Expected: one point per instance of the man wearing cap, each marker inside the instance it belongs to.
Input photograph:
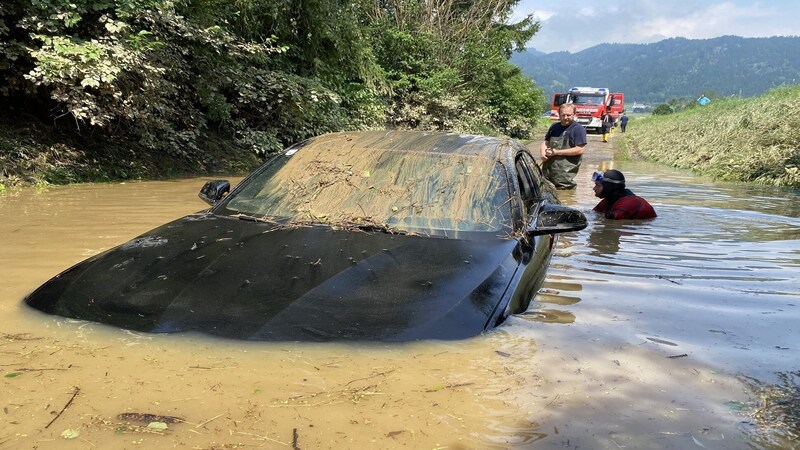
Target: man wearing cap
(618, 202)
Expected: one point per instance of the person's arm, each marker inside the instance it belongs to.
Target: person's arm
(544, 150)
(578, 135)
(572, 151)
(600, 207)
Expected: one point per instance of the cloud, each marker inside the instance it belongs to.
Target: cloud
(584, 24)
(714, 20)
(540, 15)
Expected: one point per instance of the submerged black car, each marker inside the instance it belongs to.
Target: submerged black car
(379, 235)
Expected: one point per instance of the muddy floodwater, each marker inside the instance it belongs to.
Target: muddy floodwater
(660, 334)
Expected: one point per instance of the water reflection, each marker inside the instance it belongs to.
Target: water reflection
(549, 316)
(605, 235)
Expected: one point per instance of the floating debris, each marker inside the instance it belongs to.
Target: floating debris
(148, 418)
(70, 433)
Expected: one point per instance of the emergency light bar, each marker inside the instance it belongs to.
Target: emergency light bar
(588, 90)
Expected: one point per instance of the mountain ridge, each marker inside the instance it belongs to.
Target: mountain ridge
(671, 68)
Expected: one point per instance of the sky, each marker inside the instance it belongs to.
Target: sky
(579, 24)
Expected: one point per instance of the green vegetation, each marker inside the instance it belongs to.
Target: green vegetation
(662, 110)
(122, 89)
(32, 153)
(680, 104)
(118, 89)
(752, 140)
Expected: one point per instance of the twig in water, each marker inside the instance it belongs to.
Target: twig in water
(665, 278)
(449, 386)
(375, 374)
(294, 439)
(265, 438)
(147, 417)
(19, 337)
(209, 420)
(74, 394)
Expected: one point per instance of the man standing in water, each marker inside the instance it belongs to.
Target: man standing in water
(618, 202)
(562, 148)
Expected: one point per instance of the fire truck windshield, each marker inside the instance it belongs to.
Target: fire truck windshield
(587, 99)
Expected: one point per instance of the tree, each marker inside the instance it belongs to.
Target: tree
(662, 110)
(447, 65)
(265, 73)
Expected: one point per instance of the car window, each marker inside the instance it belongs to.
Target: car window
(529, 188)
(416, 191)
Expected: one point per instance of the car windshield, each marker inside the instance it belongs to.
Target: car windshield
(398, 190)
(587, 100)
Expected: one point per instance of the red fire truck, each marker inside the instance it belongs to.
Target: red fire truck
(590, 103)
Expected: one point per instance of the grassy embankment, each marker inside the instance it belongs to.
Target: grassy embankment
(750, 140)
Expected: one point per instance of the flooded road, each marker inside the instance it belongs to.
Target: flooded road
(646, 335)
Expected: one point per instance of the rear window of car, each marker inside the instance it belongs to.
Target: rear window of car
(414, 191)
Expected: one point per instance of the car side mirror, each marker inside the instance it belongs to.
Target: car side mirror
(213, 191)
(557, 219)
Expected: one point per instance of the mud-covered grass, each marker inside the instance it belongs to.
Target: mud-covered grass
(774, 411)
(750, 140)
(36, 153)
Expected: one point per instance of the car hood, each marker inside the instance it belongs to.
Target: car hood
(253, 280)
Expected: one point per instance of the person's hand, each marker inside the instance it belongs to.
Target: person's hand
(549, 153)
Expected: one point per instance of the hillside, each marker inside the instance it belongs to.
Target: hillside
(735, 139)
(673, 68)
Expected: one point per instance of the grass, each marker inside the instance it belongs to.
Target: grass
(749, 140)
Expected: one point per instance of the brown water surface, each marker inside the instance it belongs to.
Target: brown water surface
(639, 339)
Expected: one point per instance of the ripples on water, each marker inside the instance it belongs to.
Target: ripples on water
(747, 251)
(717, 274)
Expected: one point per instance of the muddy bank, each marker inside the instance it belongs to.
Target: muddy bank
(34, 153)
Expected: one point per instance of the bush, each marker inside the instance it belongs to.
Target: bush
(163, 75)
(662, 110)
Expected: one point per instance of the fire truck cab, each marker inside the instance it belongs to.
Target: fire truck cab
(590, 105)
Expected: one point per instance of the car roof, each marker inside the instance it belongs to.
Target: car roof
(500, 149)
